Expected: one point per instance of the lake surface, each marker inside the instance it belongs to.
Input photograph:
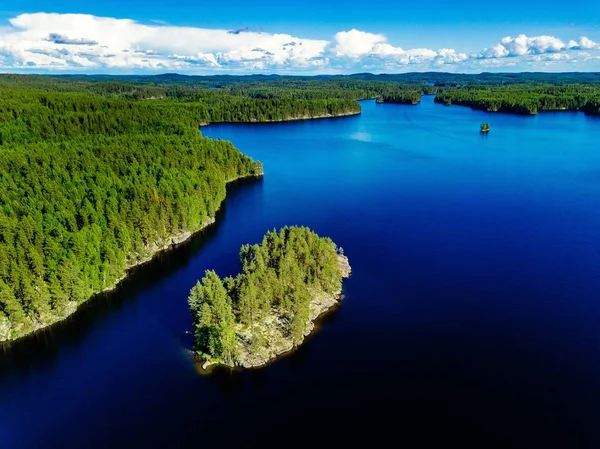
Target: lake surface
(472, 315)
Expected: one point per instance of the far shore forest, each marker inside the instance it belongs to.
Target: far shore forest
(99, 172)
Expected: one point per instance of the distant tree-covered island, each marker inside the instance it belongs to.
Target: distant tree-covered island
(286, 282)
(404, 96)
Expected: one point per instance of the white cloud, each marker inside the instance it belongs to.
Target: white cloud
(355, 44)
(66, 42)
(583, 44)
(450, 56)
(523, 45)
(123, 43)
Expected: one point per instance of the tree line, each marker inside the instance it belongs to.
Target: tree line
(524, 99)
(400, 97)
(29, 115)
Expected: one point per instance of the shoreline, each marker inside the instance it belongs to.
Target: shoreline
(156, 248)
(332, 302)
(304, 117)
(289, 119)
(321, 304)
(522, 114)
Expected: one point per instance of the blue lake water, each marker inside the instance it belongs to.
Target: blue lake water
(472, 315)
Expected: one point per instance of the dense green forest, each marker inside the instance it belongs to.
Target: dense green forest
(279, 279)
(524, 99)
(403, 96)
(90, 185)
(230, 99)
(200, 106)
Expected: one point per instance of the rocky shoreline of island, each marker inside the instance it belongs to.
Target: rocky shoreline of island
(262, 341)
(289, 119)
(309, 117)
(282, 345)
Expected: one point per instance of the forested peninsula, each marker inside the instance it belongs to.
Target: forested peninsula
(286, 282)
(92, 186)
(524, 99)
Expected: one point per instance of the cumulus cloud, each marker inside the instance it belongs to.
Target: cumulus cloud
(124, 43)
(70, 41)
(355, 44)
(583, 44)
(522, 45)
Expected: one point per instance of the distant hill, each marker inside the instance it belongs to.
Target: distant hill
(436, 78)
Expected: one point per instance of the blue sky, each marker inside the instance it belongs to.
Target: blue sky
(328, 36)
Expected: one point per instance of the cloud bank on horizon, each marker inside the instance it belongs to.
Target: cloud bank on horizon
(71, 42)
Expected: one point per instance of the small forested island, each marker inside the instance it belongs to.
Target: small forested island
(484, 128)
(286, 282)
(410, 97)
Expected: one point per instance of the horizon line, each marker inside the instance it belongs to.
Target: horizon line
(328, 75)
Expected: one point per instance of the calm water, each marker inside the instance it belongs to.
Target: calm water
(472, 315)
